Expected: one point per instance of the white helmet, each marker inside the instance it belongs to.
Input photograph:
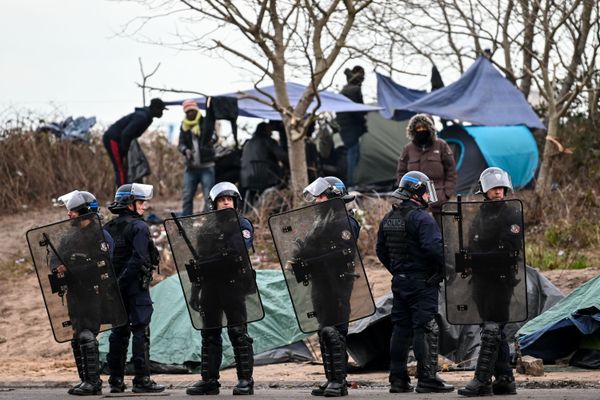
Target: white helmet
(494, 177)
(224, 189)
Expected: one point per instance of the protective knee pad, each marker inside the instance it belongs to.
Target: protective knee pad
(86, 336)
(238, 335)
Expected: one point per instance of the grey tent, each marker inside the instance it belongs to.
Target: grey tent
(369, 339)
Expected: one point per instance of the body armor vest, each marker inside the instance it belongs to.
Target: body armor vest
(402, 248)
(118, 229)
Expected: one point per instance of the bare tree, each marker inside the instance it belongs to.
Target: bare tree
(277, 39)
(548, 45)
(145, 78)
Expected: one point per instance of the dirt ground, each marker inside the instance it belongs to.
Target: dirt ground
(29, 355)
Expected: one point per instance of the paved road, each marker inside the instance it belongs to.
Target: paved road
(356, 394)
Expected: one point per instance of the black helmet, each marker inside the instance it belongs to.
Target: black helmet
(330, 186)
(80, 201)
(128, 194)
(416, 183)
(224, 189)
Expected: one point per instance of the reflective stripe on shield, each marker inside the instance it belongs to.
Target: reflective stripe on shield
(214, 269)
(77, 280)
(484, 252)
(321, 264)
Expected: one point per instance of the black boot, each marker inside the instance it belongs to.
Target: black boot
(244, 360)
(325, 354)
(143, 384)
(211, 362)
(116, 359)
(91, 385)
(336, 346)
(504, 384)
(429, 380)
(401, 385)
(481, 384)
(78, 363)
(116, 383)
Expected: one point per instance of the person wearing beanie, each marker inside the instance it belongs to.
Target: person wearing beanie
(431, 155)
(352, 124)
(118, 137)
(196, 146)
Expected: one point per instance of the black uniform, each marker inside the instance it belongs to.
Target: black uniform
(496, 228)
(88, 297)
(134, 255)
(409, 245)
(217, 296)
(327, 260)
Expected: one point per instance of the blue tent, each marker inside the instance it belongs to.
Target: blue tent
(248, 107)
(512, 148)
(482, 96)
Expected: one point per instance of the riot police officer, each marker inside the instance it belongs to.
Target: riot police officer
(134, 259)
(85, 322)
(409, 245)
(216, 297)
(332, 339)
(495, 226)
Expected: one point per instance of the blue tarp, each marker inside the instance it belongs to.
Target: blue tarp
(512, 148)
(481, 96)
(330, 102)
(393, 97)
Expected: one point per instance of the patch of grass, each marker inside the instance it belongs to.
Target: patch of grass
(10, 269)
(548, 258)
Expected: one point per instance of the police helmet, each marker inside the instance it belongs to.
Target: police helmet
(129, 193)
(494, 177)
(224, 189)
(330, 186)
(416, 183)
(80, 201)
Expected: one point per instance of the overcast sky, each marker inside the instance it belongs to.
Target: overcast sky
(68, 54)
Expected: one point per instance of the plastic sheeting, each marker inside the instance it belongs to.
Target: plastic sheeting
(557, 332)
(368, 339)
(175, 341)
(481, 96)
(249, 107)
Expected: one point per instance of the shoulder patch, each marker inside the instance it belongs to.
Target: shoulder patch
(103, 246)
(515, 229)
(346, 234)
(246, 233)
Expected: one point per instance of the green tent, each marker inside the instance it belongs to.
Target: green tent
(380, 149)
(174, 340)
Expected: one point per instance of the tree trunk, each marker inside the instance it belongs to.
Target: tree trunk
(544, 180)
(297, 159)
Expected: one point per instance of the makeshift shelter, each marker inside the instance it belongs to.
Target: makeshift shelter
(249, 107)
(571, 325)
(512, 148)
(368, 339)
(380, 149)
(175, 341)
(481, 96)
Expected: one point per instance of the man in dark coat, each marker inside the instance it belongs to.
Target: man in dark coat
(352, 124)
(118, 137)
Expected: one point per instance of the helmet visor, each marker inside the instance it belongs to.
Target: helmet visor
(315, 189)
(431, 191)
(494, 177)
(72, 200)
(141, 191)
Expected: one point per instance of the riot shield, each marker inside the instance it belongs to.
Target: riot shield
(484, 252)
(214, 269)
(321, 264)
(77, 279)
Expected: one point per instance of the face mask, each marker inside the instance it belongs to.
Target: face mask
(422, 138)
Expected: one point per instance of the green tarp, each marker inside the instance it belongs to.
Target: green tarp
(174, 340)
(558, 331)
